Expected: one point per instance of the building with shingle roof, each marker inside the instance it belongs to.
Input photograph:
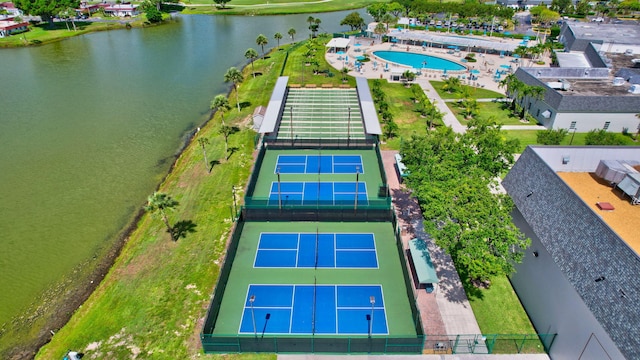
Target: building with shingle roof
(580, 277)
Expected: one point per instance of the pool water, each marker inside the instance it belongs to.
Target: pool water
(418, 60)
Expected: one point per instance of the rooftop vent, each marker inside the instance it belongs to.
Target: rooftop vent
(635, 89)
(618, 81)
(628, 52)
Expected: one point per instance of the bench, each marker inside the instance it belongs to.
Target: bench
(424, 269)
(402, 169)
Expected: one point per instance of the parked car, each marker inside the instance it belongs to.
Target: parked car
(598, 19)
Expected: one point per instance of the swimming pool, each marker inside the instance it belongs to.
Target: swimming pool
(418, 60)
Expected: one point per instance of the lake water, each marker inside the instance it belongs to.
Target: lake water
(89, 126)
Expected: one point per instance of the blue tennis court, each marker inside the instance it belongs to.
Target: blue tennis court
(314, 192)
(290, 309)
(322, 250)
(319, 164)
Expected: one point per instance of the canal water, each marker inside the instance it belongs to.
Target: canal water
(88, 128)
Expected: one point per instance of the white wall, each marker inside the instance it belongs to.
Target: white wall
(588, 121)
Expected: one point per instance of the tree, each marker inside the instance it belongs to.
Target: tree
(292, 33)
(451, 85)
(220, 104)
(380, 29)
(409, 76)
(315, 25)
(234, 76)
(345, 73)
(221, 3)
(251, 54)
(534, 93)
(153, 15)
(602, 137)
(262, 40)
(226, 130)
(395, 9)
(203, 141)
(161, 202)
(377, 11)
(354, 21)
(452, 176)
(561, 6)
(550, 136)
(278, 37)
(514, 88)
(390, 129)
(469, 108)
(46, 9)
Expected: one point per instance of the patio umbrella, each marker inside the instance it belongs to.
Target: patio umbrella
(358, 44)
(505, 66)
(475, 71)
(451, 47)
(516, 56)
(346, 58)
(386, 66)
(340, 52)
(360, 58)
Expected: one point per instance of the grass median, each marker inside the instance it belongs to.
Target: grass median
(277, 7)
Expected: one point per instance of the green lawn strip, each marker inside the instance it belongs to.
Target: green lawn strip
(478, 93)
(528, 137)
(488, 109)
(157, 291)
(388, 274)
(41, 34)
(403, 108)
(501, 299)
(281, 7)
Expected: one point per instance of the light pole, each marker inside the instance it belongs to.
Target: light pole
(349, 125)
(572, 135)
(291, 123)
(279, 193)
(372, 300)
(253, 316)
(235, 205)
(355, 204)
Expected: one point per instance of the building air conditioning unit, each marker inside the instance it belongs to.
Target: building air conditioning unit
(618, 81)
(635, 89)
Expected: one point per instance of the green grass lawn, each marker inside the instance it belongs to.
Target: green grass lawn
(403, 108)
(42, 34)
(478, 93)
(488, 109)
(277, 7)
(501, 299)
(528, 137)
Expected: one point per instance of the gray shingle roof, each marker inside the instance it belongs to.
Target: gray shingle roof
(580, 243)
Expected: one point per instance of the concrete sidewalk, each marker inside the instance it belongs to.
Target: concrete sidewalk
(449, 119)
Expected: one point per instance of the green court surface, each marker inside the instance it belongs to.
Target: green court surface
(388, 274)
(321, 114)
(369, 173)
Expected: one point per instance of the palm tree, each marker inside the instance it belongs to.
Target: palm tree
(278, 37)
(535, 93)
(409, 76)
(380, 29)
(234, 76)
(251, 54)
(203, 141)
(451, 85)
(220, 104)
(292, 33)
(514, 88)
(262, 41)
(161, 202)
(225, 130)
(345, 72)
(469, 108)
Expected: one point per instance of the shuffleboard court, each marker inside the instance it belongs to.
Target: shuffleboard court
(314, 192)
(319, 164)
(314, 309)
(316, 250)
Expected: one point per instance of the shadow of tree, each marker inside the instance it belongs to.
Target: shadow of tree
(213, 163)
(448, 275)
(232, 150)
(182, 228)
(245, 104)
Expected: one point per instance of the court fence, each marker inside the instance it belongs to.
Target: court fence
(323, 143)
(488, 343)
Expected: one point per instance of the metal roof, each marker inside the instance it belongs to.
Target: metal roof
(462, 41)
(369, 113)
(275, 105)
(425, 270)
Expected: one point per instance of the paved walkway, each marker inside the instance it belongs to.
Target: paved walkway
(487, 64)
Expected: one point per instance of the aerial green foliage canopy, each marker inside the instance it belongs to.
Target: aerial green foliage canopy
(46, 9)
(454, 178)
(354, 21)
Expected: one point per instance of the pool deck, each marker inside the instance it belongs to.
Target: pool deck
(486, 64)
